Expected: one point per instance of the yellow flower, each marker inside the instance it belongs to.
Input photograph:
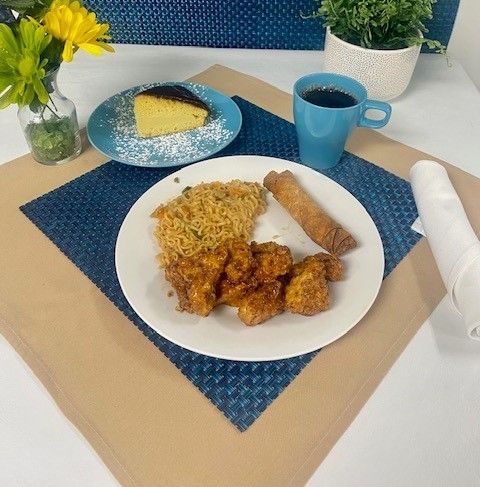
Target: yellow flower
(71, 23)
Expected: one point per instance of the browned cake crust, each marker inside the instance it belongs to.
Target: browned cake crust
(175, 92)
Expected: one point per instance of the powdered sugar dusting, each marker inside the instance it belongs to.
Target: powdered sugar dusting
(165, 150)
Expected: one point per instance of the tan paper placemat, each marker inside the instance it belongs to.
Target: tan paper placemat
(149, 424)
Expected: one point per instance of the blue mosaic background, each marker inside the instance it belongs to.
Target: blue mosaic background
(267, 24)
(74, 217)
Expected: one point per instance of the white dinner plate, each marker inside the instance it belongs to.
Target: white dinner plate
(222, 334)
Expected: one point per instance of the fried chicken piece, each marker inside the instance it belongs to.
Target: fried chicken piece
(240, 261)
(174, 276)
(195, 280)
(232, 294)
(262, 303)
(202, 290)
(272, 260)
(333, 265)
(307, 291)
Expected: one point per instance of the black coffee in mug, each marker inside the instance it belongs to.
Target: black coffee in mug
(326, 108)
(328, 97)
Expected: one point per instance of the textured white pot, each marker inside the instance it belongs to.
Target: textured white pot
(385, 73)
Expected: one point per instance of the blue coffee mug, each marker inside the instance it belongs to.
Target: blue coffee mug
(323, 132)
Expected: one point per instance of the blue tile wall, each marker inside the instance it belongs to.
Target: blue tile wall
(265, 24)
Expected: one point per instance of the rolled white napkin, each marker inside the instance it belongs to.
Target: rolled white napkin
(454, 245)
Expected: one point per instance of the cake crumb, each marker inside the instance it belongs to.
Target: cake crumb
(170, 293)
(176, 180)
(275, 237)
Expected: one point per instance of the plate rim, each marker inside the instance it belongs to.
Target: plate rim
(189, 161)
(254, 359)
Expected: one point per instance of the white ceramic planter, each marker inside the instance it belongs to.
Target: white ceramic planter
(385, 73)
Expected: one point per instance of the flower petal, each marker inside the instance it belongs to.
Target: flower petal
(29, 95)
(76, 23)
(40, 90)
(91, 48)
(67, 54)
(5, 98)
(106, 46)
(7, 39)
(66, 21)
(52, 24)
(77, 27)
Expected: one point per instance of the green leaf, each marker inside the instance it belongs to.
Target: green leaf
(18, 5)
(44, 43)
(52, 139)
(35, 105)
(53, 53)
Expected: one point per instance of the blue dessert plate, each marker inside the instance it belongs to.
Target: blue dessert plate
(111, 130)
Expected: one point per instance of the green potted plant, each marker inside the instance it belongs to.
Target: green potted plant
(377, 42)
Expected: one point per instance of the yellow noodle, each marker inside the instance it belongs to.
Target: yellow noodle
(206, 215)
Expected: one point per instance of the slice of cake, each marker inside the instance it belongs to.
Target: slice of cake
(168, 109)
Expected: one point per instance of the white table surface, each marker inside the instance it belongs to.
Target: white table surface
(421, 426)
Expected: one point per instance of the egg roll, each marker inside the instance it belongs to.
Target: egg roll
(316, 223)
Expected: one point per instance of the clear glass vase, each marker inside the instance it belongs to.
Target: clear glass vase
(51, 130)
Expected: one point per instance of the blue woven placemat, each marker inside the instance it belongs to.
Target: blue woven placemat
(75, 217)
(261, 24)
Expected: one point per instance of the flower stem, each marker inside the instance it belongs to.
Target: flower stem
(52, 110)
(43, 118)
(53, 103)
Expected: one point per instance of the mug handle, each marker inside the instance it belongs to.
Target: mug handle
(376, 105)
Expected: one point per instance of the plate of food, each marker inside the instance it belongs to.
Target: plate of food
(249, 258)
(164, 124)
